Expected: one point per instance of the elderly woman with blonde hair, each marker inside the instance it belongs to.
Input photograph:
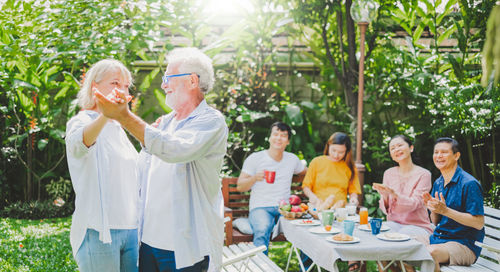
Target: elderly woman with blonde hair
(102, 165)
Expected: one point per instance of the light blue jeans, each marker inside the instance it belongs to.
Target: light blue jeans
(121, 255)
(262, 221)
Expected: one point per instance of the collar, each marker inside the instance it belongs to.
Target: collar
(458, 173)
(197, 111)
(454, 179)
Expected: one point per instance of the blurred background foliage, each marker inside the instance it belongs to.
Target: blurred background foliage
(294, 61)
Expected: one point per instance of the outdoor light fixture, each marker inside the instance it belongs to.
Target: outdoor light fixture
(362, 12)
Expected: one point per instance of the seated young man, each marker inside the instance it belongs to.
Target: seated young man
(456, 205)
(265, 197)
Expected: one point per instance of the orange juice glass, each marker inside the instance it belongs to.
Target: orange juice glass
(363, 216)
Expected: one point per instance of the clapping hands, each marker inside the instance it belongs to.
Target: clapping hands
(383, 190)
(435, 204)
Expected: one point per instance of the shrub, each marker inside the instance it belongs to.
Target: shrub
(493, 197)
(60, 189)
(371, 198)
(37, 210)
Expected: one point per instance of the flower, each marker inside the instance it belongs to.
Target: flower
(59, 202)
(21, 245)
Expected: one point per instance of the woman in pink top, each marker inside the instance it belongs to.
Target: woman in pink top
(402, 189)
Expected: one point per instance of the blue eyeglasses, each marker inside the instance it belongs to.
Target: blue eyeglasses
(166, 79)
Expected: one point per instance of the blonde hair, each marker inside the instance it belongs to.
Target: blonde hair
(96, 74)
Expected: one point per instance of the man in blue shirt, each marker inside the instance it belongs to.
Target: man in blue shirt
(456, 205)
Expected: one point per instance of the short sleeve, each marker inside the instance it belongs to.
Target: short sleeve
(310, 178)
(299, 166)
(474, 202)
(250, 165)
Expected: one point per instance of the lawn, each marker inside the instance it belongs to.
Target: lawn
(43, 245)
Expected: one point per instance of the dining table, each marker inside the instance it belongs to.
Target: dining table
(326, 254)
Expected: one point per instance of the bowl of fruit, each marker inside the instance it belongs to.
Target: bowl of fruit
(293, 208)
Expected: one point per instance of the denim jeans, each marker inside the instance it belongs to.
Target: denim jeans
(158, 260)
(120, 255)
(262, 220)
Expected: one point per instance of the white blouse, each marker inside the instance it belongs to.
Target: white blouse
(104, 179)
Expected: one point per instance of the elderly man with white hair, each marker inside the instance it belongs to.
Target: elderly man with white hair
(182, 227)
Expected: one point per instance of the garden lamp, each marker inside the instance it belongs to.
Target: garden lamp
(362, 12)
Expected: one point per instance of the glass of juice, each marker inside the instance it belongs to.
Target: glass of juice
(363, 216)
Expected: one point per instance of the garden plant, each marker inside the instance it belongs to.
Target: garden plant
(295, 61)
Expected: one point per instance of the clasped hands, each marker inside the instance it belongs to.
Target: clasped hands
(435, 204)
(114, 105)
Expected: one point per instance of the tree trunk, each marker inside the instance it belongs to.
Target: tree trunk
(468, 140)
(29, 176)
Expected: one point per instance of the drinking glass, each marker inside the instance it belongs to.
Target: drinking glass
(363, 216)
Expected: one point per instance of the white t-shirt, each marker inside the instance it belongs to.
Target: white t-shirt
(265, 194)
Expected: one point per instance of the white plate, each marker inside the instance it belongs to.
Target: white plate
(321, 230)
(304, 222)
(367, 227)
(393, 236)
(355, 240)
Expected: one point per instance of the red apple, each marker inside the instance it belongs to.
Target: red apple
(294, 200)
(296, 209)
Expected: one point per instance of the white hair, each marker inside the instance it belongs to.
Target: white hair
(192, 60)
(96, 74)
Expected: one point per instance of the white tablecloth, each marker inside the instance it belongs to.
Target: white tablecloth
(326, 254)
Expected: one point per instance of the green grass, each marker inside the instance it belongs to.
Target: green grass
(43, 245)
(35, 245)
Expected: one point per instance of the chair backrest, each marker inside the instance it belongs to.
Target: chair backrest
(238, 201)
(492, 238)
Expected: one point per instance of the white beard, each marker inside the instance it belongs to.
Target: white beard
(170, 100)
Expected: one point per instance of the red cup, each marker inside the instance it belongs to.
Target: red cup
(269, 175)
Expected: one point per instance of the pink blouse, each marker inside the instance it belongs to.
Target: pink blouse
(408, 208)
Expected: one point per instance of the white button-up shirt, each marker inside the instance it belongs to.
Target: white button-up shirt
(104, 179)
(183, 204)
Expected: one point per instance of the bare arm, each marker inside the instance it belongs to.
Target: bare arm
(246, 181)
(312, 197)
(353, 199)
(303, 172)
(92, 130)
(435, 218)
(135, 125)
(438, 206)
(121, 113)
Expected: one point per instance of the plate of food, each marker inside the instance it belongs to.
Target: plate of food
(393, 236)
(306, 222)
(343, 238)
(323, 230)
(367, 227)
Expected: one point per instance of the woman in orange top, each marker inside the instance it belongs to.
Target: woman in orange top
(332, 176)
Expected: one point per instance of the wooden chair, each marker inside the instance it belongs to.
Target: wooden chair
(490, 245)
(236, 206)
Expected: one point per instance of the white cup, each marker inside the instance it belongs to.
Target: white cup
(341, 214)
(351, 209)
